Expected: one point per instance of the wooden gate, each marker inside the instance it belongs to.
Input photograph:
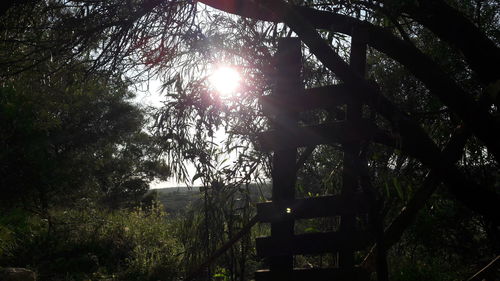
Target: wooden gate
(283, 107)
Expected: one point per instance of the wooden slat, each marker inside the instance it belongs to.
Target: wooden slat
(351, 160)
(311, 243)
(315, 98)
(323, 206)
(288, 84)
(314, 274)
(337, 132)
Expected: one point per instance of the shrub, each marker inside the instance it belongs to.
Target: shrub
(89, 243)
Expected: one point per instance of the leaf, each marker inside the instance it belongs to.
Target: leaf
(387, 190)
(398, 188)
(223, 161)
(300, 188)
(197, 176)
(311, 229)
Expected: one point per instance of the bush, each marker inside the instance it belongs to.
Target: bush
(92, 244)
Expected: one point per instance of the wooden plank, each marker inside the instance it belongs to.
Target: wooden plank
(306, 208)
(316, 274)
(315, 98)
(311, 243)
(337, 132)
(288, 84)
(351, 161)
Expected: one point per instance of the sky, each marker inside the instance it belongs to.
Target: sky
(224, 80)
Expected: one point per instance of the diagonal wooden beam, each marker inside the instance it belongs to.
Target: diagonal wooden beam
(406, 217)
(449, 24)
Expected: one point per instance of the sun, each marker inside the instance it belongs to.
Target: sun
(225, 80)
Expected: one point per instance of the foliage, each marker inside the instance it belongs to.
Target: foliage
(394, 174)
(124, 34)
(70, 135)
(209, 223)
(179, 42)
(461, 243)
(91, 243)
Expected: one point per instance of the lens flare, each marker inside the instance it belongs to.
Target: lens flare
(225, 80)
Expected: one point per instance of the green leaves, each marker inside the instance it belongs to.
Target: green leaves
(75, 135)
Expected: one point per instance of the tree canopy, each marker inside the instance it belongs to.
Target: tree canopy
(73, 137)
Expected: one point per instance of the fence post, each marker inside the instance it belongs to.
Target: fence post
(288, 82)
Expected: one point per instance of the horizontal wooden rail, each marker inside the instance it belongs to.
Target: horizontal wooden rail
(306, 208)
(336, 132)
(311, 243)
(315, 98)
(316, 274)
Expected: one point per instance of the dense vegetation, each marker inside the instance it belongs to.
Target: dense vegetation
(77, 155)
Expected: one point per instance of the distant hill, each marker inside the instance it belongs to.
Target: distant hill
(176, 199)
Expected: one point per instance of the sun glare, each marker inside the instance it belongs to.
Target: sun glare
(225, 80)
